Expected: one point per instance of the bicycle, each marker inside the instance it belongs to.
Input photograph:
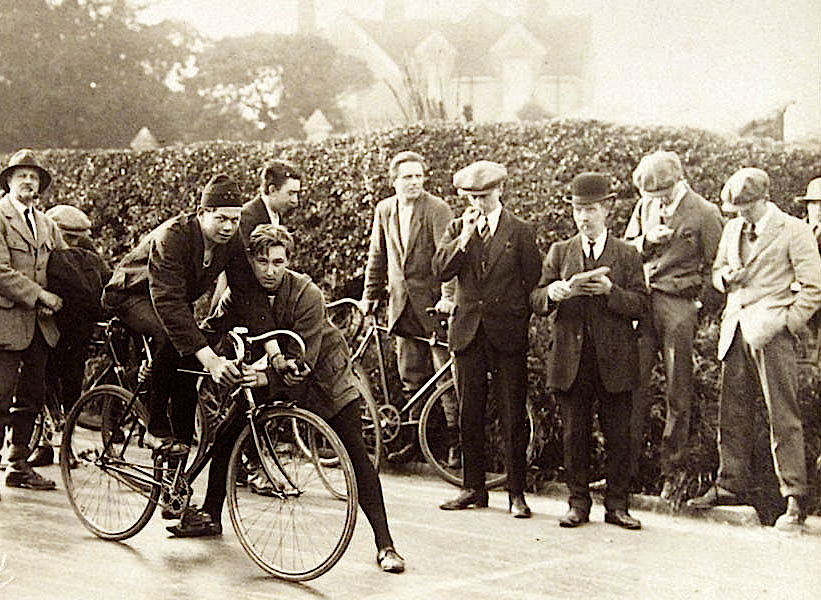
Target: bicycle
(297, 533)
(431, 423)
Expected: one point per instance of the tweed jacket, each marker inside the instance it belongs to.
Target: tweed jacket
(497, 297)
(23, 275)
(780, 286)
(405, 268)
(682, 265)
(299, 306)
(613, 335)
(167, 266)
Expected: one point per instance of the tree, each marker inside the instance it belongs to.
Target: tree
(263, 86)
(84, 73)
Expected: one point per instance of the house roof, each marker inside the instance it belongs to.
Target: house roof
(567, 40)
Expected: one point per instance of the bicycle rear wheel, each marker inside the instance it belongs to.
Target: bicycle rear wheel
(434, 442)
(110, 478)
(302, 530)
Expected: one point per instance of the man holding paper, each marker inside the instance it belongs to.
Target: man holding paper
(592, 288)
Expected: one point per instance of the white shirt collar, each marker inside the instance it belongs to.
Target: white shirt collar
(598, 244)
(273, 216)
(21, 208)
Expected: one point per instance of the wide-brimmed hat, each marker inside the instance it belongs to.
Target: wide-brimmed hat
(69, 219)
(745, 186)
(813, 191)
(479, 177)
(25, 158)
(589, 188)
(221, 191)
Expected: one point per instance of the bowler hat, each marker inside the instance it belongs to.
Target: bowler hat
(69, 219)
(220, 190)
(25, 158)
(660, 170)
(479, 177)
(813, 191)
(589, 188)
(745, 186)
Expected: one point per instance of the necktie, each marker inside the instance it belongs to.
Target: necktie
(30, 221)
(484, 230)
(751, 233)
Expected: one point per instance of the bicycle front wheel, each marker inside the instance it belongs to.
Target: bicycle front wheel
(435, 442)
(302, 528)
(110, 478)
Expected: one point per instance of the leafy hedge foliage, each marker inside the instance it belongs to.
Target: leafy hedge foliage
(126, 194)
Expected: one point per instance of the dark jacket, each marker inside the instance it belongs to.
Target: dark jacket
(167, 267)
(612, 331)
(300, 307)
(497, 298)
(77, 275)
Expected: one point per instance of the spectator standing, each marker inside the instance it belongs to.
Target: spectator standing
(769, 267)
(676, 232)
(406, 228)
(77, 274)
(153, 289)
(27, 327)
(592, 362)
(813, 201)
(494, 257)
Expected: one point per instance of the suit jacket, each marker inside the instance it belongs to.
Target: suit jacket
(681, 266)
(613, 335)
(406, 269)
(166, 266)
(497, 297)
(299, 306)
(23, 275)
(780, 287)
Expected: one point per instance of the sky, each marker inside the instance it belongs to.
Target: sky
(705, 63)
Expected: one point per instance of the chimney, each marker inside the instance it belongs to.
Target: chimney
(306, 17)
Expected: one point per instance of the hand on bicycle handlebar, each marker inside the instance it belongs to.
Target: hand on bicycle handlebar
(253, 377)
(289, 369)
(444, 306)
(224, 371)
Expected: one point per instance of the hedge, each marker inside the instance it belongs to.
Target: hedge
(128, 193)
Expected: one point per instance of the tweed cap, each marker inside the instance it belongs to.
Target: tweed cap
(589, 188)
(658, 171)
(481, 176)
(69, 219)
(813, 191)
(25, 158)
(221, 190)
(743, 187)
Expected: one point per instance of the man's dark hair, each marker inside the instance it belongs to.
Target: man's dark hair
(403, 157)
(276, 173)
(267, 236)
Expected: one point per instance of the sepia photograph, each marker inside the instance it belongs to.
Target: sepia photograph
(410, 299)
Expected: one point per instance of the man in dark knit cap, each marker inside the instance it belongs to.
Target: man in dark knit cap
(153, 290)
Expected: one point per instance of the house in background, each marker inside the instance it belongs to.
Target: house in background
(483, 67)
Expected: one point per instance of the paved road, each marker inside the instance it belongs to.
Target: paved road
(474, 554)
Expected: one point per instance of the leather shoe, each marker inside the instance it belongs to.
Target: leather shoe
(715, 496)
(574, 517)
(518, 507)
(466, 499)
(42, 456)
(195, 522)
(22, 475)
(389, 560)
(793, 519)
(621, 518)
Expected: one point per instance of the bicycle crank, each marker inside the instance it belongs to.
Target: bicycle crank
(390, 421)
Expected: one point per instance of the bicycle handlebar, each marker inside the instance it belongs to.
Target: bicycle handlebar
(239, 336)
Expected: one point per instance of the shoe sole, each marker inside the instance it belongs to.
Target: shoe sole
(26, 486)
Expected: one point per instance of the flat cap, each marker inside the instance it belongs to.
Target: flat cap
(481, 176)
(743, 187)
(589, 188)
(221, 190)
(813, 191)
(69, 218)
(660, 170)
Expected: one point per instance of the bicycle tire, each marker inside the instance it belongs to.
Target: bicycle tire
(112, 484)
(433, 442)
(302, 530)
